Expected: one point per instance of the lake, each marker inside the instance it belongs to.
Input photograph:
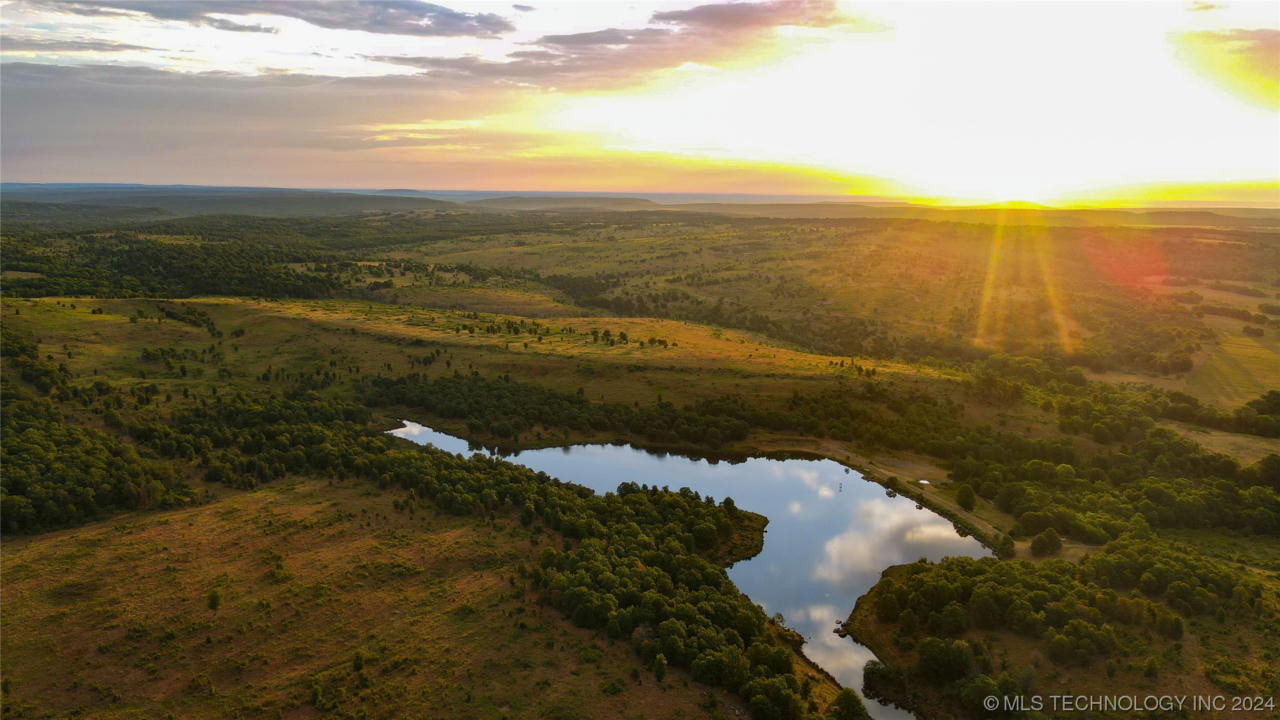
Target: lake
(830, 534)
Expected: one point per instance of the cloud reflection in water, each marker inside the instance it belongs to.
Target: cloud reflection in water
(830, 532)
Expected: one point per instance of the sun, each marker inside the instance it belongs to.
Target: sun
(986, 103)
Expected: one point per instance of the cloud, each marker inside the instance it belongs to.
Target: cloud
(94, 110)
(115, 123)
(26, 44)
(1259, 48)
(524, 8)
(395, 17)
(89, 121)
(885, 533)
(221, 24)
(608, 36)
(705, 34)
(714, 34)
(98, 121)
(735, 16)
(1244, 61)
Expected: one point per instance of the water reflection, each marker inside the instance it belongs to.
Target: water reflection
(830, 532)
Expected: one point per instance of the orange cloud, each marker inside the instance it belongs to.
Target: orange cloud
(1246, 62)
(708, 34)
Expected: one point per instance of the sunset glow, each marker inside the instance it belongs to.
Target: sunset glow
(1082, 103)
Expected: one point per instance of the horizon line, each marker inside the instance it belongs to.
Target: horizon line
(740, 197)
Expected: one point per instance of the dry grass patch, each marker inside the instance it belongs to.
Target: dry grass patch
(327, 601)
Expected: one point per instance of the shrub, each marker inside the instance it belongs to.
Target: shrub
(1046, 543)
(847, 706)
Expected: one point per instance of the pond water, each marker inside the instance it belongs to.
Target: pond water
(830, 534)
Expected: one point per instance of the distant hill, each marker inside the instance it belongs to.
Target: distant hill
(1009, 214)
(1017, 215)
(565, 203)
(190, 200)
(88, 200)
(18, 215)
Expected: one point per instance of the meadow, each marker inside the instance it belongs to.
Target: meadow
(332, 603)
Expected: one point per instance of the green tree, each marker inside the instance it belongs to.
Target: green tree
(887, 609)
(943, 661)
(847, 706)
(1046, 543)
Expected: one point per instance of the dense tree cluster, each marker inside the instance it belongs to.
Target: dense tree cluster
(1111, 413)
(58, 474)
(1170, 481)
(190, 316)
(1044, 483)
(354, 232)
(37, 217)
(1101, 607)
(1260, 416)
(637, 570)
(1234, 312)
(1237, 289)
(505, 410)
(128, 265)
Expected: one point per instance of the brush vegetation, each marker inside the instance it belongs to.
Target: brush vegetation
(193, 409)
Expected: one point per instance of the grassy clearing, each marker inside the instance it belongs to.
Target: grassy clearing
(1248, 449)
(1234, 367)
(329, 600)
(505, 301)
(1232, 370)
(1016, 289)
(1238, 367)
(699, 361)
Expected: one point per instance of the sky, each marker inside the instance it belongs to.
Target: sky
(1106, 103)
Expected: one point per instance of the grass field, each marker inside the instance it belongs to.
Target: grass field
(699, 361)
(1238, 367)
(331, 602)
(1015, 289)
(1234, 367)
(1247, 449)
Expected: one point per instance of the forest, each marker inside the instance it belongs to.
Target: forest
(1117, 453)
(695, 616)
